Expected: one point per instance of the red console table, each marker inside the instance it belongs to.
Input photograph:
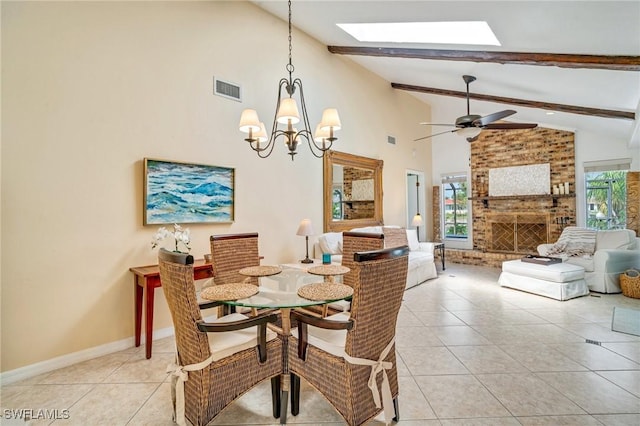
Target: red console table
(148, 277)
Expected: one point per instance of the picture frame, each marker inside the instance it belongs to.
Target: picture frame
(177, 192)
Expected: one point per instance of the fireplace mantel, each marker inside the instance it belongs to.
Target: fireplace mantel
(485, 200)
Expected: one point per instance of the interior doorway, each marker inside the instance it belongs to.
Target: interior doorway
(416, 212)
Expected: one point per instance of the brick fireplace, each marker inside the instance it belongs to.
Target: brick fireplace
(505, 227)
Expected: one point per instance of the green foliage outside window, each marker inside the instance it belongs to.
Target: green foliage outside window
(455, 209)
(606, 195)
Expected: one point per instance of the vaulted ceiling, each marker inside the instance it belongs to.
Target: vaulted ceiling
(579, 60)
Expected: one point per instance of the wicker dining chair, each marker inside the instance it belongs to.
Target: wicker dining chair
(216, 362)
(232, 252)
(353, 242)
(340, 354)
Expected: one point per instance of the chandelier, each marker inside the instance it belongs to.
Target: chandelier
(287, 114)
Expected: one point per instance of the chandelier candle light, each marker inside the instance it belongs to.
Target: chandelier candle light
(305, 229)
(287, 114)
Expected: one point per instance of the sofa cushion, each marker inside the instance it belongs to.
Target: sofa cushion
(621, 239)
(331, 242)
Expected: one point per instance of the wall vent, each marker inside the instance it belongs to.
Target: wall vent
(227, 89)
(391, 140)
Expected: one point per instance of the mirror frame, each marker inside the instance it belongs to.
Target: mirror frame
(332, 158)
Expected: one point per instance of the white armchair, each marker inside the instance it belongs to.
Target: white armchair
(615, 251)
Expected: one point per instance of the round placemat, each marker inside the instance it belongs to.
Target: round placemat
(325, 291)
(231, 291)
(260, 271)
(328, 270)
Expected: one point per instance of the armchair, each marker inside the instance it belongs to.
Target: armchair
(210, 354)
(342, 354)
(611, 253)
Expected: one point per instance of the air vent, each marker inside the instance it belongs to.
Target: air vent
(227, 89)
(391, 140)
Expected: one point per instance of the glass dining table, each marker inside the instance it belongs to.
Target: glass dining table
(283, 289)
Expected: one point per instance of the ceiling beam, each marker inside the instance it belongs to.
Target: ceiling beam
(606, 113)
(604, 62)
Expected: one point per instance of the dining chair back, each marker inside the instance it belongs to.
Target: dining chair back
(343, 364)
(353, 242)
(215, 362)
(232, 252)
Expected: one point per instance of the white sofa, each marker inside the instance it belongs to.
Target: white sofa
(614, 252)
(421, 260)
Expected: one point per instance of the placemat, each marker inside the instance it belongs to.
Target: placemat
(325, 291)
(328, 270)
(230, 291)
(260, 271)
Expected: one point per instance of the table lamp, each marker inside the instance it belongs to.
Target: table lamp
(305, 229)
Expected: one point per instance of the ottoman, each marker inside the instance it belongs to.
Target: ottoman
(560, 281)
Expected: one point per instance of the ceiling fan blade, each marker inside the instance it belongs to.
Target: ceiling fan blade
(437, 124)
(435, 134)
(483, 121)
(510, 126)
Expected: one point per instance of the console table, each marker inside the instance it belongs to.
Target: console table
(146, 279)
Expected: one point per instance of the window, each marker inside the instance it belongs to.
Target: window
(606, 194)
(336, 209)
(455, 215)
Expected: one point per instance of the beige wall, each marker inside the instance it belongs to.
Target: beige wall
(90, 89)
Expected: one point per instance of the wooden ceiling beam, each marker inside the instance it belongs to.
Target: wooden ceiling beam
(606, 113)
(604, 62)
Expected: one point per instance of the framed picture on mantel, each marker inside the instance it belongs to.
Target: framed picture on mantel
(177, 192)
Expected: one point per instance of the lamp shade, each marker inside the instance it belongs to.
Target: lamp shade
(417, 220)
(305, 228)
(469, 132)
(320, 133)
(261, 136)
(249, 121)
(330, 119)
(288, 111)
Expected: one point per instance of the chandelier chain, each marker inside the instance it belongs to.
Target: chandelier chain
(290, 67)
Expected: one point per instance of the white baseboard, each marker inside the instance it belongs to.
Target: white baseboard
(42, 367)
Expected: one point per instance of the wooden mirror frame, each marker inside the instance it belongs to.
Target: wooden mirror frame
(332, 158)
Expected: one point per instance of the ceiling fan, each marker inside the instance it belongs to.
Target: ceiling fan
(470, 125)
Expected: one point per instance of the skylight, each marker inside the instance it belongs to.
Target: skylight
(471, 32)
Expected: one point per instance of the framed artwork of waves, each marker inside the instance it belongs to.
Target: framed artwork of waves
(187, 193)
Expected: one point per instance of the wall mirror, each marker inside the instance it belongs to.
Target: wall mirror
(352, 191)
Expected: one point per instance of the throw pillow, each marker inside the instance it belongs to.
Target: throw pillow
(331, 242)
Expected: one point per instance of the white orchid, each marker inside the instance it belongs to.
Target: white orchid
(179, 236)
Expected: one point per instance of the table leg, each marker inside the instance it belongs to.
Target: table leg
(148, 325)
(139, 289)
(442, 256)
(285, 378)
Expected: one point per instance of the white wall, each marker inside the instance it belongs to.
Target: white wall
(92, 88)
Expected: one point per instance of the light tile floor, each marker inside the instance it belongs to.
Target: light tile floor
(470, 353)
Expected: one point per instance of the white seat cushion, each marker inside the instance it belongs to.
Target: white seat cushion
(331, 341)
(230, 342)
(558, 272)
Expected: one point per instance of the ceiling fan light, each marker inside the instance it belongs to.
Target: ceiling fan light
(469, 132)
